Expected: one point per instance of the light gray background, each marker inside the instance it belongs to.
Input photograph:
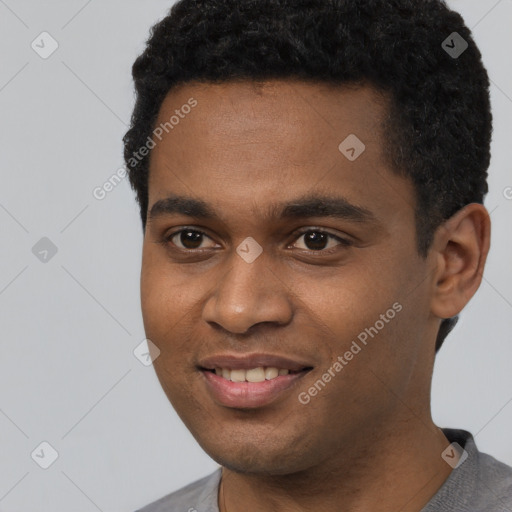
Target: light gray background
(68, 374)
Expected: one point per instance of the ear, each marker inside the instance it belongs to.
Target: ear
(460, 248)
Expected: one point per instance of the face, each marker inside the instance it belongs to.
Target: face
(270, 249)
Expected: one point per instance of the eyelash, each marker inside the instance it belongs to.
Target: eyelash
(345, 243)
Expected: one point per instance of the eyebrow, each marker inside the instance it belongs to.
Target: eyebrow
(307, 206)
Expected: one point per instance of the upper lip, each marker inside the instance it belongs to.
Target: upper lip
(248, 361)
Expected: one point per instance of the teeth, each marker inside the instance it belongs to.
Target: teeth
(255, 375)
(259, 374)
(271, 373)
(238, 375)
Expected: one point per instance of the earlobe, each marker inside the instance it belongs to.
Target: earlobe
(461, 246)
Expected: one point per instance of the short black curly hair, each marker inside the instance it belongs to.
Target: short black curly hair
(439, 125)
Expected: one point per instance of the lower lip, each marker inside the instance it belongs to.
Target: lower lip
(249, 394)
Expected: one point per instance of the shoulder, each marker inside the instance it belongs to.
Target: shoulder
(495, 480)
(481, 483)
(198, 496)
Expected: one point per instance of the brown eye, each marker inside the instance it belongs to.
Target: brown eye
(189, 239)
(318, 240)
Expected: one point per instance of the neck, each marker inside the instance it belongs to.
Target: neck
(399, 468)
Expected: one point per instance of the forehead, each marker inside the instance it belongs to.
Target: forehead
(259, 110)
(247, 142)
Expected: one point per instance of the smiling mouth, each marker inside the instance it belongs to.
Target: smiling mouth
(254, 375)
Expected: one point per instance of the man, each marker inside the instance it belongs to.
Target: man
(311, 176)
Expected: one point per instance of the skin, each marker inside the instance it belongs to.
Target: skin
(367, 440)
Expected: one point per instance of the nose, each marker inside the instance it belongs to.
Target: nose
(248, 294)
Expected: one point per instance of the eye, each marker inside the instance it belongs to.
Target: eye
(189, 239)
(315, 240)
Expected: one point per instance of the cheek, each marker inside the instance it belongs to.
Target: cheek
(160, 288)
(170, 303)
(348, 300)
(160, 299)
(164, 314)
(153, 300)
(363, 317)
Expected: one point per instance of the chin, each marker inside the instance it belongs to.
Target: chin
(257, 456)
(256, 465)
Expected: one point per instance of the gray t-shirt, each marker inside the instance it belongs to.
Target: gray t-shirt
(479, 484)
